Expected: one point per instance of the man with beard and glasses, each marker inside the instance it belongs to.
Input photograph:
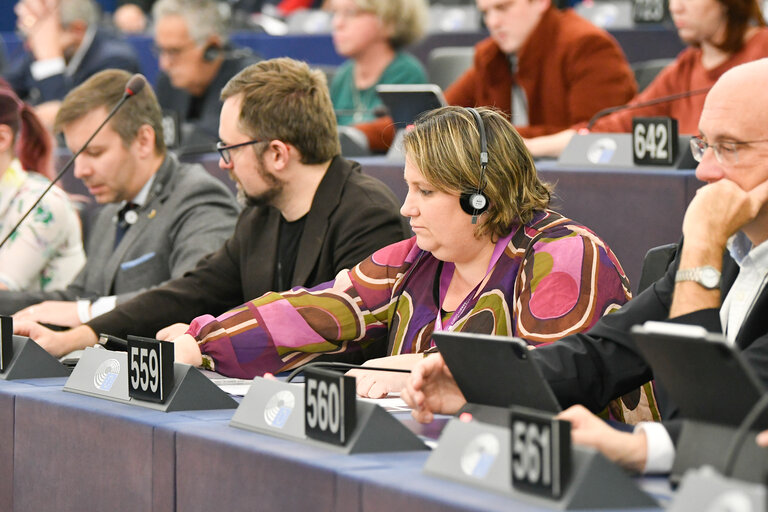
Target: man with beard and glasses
(309, 212)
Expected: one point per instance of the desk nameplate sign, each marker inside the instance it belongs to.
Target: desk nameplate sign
(541, 450)
(104, 374)
(277, 409)
(479, 454)
(330, 406)
(615, 151)
(151, 369)
(655, 141)
(649, 11)
(22, 358)
(706, 489)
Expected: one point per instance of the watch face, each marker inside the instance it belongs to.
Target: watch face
(710, 277)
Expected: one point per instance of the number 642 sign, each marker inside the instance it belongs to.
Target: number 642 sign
(150, 369)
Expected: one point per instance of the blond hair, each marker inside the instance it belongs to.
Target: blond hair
(445, 145)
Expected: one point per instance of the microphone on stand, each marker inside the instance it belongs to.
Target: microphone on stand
(630, 106)
(134, 86)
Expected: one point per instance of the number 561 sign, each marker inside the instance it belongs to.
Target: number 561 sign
(541, 449)
(150, 365)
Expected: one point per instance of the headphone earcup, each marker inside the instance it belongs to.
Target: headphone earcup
(473, 203)
(211, 52)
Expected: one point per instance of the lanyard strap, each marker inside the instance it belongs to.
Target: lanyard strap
(445, 280)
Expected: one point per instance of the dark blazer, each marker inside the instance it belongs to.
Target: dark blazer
(603, 364)
(106, 51)
(187, 215)
(352, 215)
(203, 129)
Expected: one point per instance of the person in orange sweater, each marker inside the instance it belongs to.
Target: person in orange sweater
(555, 66)
(721, 34)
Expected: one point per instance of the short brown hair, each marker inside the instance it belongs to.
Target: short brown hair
(740, 15)
(445, 145)
(104, 89)
(283, 99)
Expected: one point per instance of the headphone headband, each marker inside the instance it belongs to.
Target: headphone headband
(475, 203)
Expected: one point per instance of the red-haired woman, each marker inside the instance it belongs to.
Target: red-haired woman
(46, 252)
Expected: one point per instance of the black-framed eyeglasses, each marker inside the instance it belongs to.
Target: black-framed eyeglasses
(170, 52)
(224, 150)
(727, 153)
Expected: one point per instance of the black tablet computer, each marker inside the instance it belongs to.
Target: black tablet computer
(703, 374)
(495, 370)
(406, 101)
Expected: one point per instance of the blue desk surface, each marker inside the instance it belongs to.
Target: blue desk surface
(73, 452)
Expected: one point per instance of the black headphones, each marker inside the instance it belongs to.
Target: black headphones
(212, 52)
(475, 202)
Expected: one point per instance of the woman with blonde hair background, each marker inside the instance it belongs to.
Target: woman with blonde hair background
(372, 34)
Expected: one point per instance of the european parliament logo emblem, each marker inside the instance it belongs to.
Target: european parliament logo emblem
(279, 409)
(602, 151)
(106, 374)
(479, 456)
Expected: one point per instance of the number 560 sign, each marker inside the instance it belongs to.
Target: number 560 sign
(150, 364)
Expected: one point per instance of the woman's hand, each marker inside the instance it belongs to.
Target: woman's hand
(187, 351)
(378, 384)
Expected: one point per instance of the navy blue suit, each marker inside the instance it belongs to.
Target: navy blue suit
(106, 51)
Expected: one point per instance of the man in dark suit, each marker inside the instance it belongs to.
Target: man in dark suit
(311, 213)
(65, 47)
(159, 216)
(196, 61)
(716, 281)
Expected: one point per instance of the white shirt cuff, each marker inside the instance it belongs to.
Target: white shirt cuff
(42, 69)
(660, 453)
(83, 310)
(103, 305)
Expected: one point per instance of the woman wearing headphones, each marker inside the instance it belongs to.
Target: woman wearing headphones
(46, 252)
(510, 266)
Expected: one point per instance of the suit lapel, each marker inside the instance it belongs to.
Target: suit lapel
(324, 203)
(147, 213)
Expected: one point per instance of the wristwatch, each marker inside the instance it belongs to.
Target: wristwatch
(707, 276)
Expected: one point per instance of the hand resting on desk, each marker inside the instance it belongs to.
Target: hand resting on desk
(431, 390)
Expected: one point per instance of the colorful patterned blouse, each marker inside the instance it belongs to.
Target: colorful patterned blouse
(554, 278)
(46, 252)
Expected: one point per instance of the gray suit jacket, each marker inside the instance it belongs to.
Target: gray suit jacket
(187, 215)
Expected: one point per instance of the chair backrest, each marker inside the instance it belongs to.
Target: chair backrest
(447, 63)
(655, 264)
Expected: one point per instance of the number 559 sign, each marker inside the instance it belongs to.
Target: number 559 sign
(541, 449)
(150, 365)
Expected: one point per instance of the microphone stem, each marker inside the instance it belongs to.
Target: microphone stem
(649, 103)
(66, 168)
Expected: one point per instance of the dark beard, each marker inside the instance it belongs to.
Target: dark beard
(264, 199)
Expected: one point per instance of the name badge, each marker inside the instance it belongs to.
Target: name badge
(541, 449)
(150, 369)
(649, 11)
(654, 140)
(330, 406)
